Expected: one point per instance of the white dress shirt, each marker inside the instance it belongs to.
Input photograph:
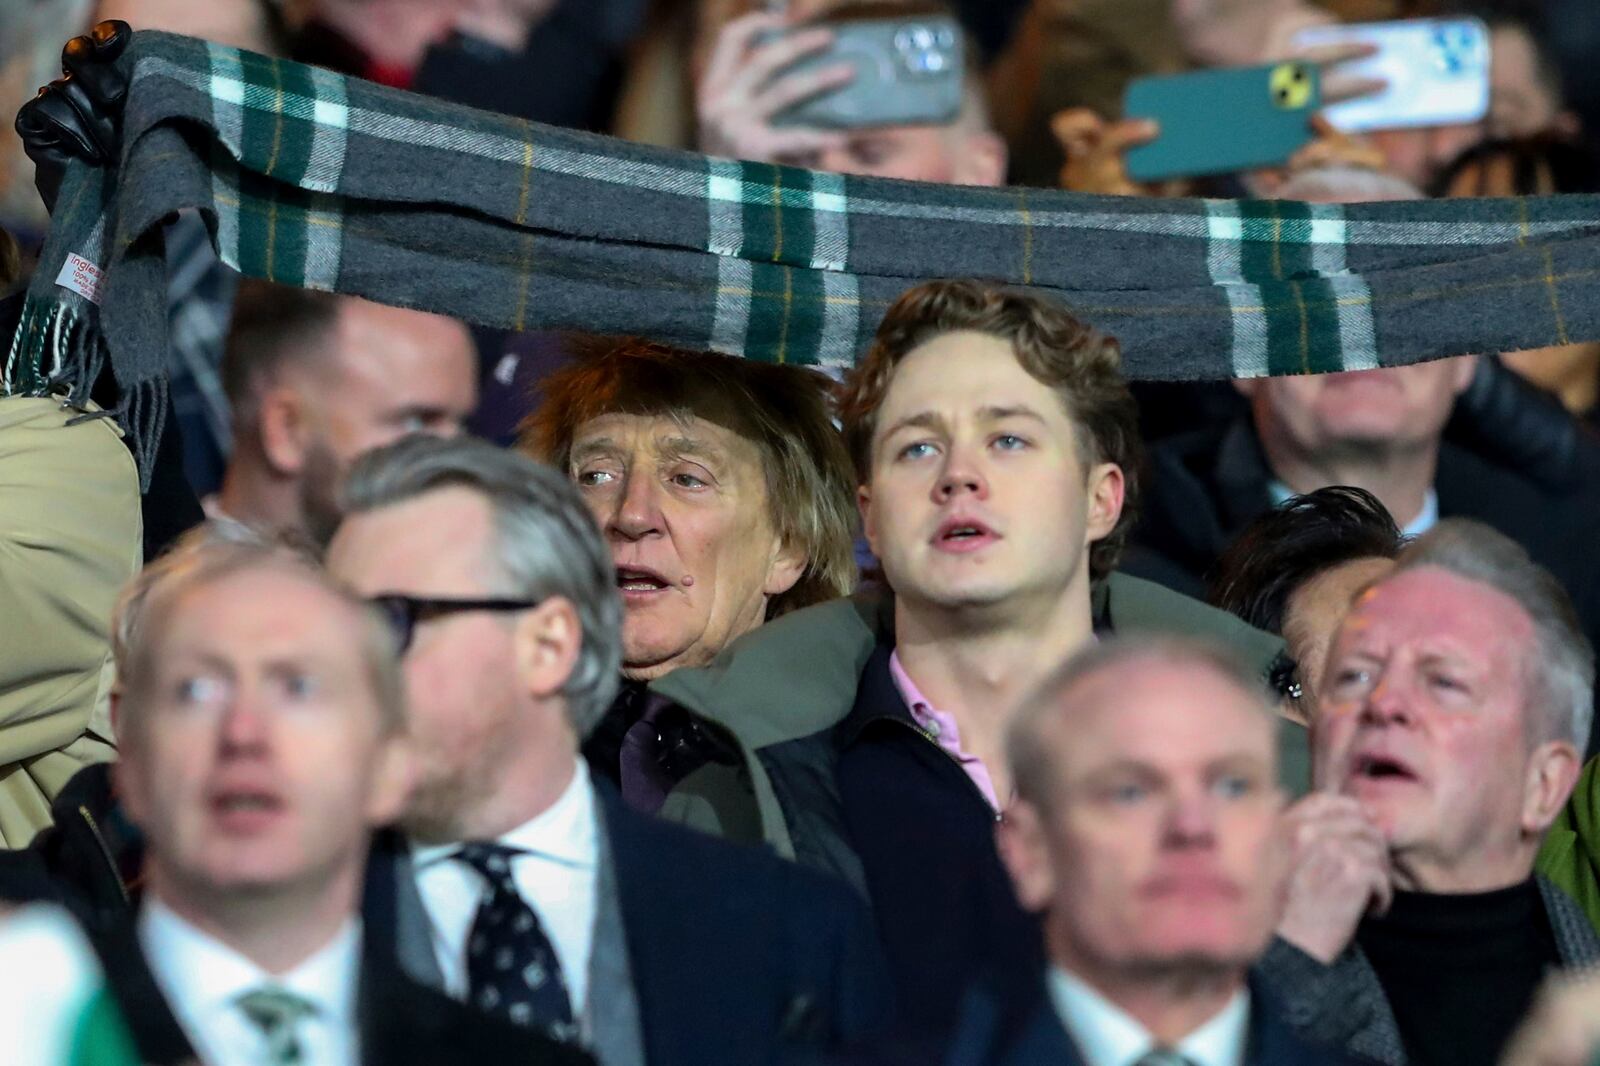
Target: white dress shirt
(557, 860)
(203, 979)
(1108, 1036)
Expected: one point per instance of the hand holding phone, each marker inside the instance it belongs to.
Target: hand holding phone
(1221, 121)
(748, 82)
(908, 71)
(1435, 72)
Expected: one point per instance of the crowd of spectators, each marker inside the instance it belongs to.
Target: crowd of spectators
(446, 694)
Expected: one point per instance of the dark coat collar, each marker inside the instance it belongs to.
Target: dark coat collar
(877, 699)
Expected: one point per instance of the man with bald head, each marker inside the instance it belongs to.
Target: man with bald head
(316, 380)
(1146, 833)
(1456, 698)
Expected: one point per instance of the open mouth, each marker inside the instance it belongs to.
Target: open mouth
(636, 580)
(244, 809)
(1382, 768)
(961, 533)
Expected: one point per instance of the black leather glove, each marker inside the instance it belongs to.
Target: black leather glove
(80, 115)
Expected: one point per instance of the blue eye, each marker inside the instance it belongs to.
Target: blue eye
(588, 478)
(1128, 794)
(1350, 680)
(915, 450)
(299, 686)
(199, 690)
(1010, 442)
(1233, 786)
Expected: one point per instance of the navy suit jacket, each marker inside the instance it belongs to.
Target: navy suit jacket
(738, 957)
(1017, 1025)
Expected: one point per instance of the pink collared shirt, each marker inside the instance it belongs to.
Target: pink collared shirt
(942, 729)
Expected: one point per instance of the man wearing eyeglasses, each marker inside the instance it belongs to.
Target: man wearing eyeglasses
(522, 887)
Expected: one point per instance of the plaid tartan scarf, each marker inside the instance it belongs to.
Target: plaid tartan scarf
(316, 180)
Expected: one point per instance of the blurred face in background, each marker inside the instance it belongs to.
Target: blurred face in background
(1158, 846)
(1357, 413)
(957, 154)
(391, 372)
(255, 756)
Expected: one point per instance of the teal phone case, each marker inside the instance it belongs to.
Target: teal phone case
(1219, 121)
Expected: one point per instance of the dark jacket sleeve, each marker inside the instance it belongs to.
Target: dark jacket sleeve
(1341, 1005)
(838, 989)
(863, 1000)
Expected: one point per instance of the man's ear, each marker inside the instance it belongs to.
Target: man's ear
(1020, 838)
(1107, 491)
(547, 641)
(393, 778)
(869, 529)
(283, 422)
(126, 782)
(1552, 772)
(788, 563)
(982, 160)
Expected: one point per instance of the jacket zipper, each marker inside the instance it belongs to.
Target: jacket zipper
(962, 770)
(105, 851)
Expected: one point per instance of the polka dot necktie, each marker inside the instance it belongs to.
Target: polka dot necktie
(277, 1012)
(512, 969)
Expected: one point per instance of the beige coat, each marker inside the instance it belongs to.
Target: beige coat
(71, 536)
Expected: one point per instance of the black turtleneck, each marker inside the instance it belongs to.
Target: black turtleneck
(1460, 970)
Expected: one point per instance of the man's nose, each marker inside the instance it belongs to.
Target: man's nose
(638, 510)
(1390, 701)
(1191, 822)
(961, 474)
(244, 725)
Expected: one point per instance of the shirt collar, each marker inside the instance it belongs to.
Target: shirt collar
(1109, 1036)
(563, 832)
(208, 976)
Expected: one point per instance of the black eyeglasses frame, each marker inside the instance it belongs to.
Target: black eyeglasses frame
(404, 613)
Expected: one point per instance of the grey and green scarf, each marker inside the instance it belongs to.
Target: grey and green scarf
(312, 179)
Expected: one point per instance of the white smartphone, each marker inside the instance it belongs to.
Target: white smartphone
(1436, 70)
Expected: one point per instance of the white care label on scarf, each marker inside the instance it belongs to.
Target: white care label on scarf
(82, 277)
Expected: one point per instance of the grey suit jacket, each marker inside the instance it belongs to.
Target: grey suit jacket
(1343, 1005)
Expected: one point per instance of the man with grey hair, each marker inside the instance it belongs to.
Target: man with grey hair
(261, 721)
(524, 888)
(1146, 833)
(1456, 700)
